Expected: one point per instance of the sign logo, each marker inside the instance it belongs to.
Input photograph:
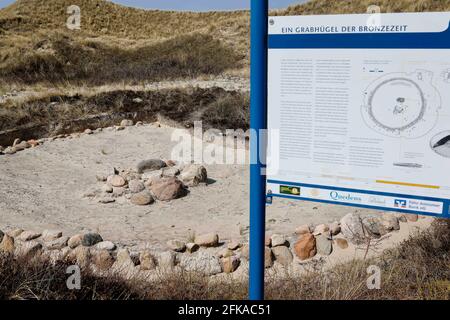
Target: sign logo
(399, 203)
(377, 201)
(295, 191)
(344, 197)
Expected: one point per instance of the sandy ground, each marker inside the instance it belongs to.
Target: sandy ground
(43, 188)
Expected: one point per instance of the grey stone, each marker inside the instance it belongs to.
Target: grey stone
(91, 239)
(324, 245)
(278, 240)
(142, 198)
(192, 247)
(57, 243)
(29, 235)
(207, 240)
(194, 174)
(150, 165)
(136, 186)
(105, 245)
(352, 228)
(283, 255)
(202, 262)
(126, 123)
(49, 235)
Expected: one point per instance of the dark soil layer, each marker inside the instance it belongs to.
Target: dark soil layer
(55, 115)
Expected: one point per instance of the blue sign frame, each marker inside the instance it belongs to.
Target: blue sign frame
(261, 41)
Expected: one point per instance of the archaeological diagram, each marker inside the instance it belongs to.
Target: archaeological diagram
(446, 76)
(402, 104)
(440, 144)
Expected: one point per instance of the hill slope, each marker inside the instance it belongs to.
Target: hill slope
(134, 44)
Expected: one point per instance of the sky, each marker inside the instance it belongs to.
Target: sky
(193, 5)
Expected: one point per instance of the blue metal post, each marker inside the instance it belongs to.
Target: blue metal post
(258, 121)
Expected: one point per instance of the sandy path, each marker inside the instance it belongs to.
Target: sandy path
(43, 187)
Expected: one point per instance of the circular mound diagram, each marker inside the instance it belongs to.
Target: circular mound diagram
(440, 144)
(402, 105)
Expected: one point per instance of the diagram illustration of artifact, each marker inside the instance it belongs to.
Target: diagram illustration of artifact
(402, 104)
(440, 144)
(446, 76)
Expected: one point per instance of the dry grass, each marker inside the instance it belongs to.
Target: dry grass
(52, 114)
(419, 268)
(132, 44)
(59, 58)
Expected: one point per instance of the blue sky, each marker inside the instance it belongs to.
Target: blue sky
(194, 5)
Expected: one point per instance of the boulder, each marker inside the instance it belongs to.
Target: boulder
(147, 261)
(22, 146)
(56, 244)
(106, 200)
(126, 123)
(49, 235)
(136, 186)
(390, 222)
(305, 247)
(194, 174)
(106, 188)
(150, 176)
(268, 241)
(283, 255)
(321, 229)
(7, 245)
(225, 253)
(245, 251)
(142, 198)
(33, 143)
(90, 239)
(233, 245)
(341, 243)
(150, 165)
(10, 150)
(207, 240)
(166, 189)
(170, 172)
(374, 225)
(116, 181)
(278, 240)
(80, 255)
(176, 245)
(29, 235)
(28, 249)
(268, 257)
(201, 262)
(335, 228)
(16, 232)
(324, 245)
(192, 247)
(105, 245)
(75, 241)
(124, 265)
(412, 217)
(102, 259)
(352, 228)
(303, 229)
(230, 264)
(118, 192)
